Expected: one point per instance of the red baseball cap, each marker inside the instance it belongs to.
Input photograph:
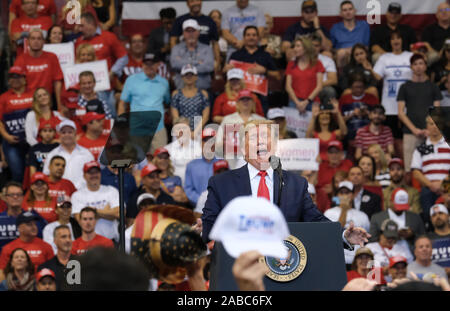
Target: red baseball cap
(220, 165)
(39, 176)
(245, 94)
(87, 166)
(396, 259)
(17, 70)
(160, 151)
(43, 273)
(400, 198)
(148, 169)
(335, 143)
(46, 124)
(398, 161)
(70, 99)
(208, 132)
(91, 116)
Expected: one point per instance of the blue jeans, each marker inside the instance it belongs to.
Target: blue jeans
(15, 157)
(427, 199)
(293, 105)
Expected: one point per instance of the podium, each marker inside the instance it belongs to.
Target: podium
(321, 258)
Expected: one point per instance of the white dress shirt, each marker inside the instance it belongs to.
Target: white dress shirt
(74, 163)
(357, 200)
(180, 156)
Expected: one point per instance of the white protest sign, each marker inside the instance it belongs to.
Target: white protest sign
(297, 122)
(98, 68)
(298, 154)
(64, 52)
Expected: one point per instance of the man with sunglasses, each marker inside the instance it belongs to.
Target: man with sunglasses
(13, 196)
(64, 212)
(308, 25)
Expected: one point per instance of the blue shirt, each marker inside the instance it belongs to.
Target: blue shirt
(171, 182)
(343, 38)
(145, 94)
(198, 172)
(111, 179)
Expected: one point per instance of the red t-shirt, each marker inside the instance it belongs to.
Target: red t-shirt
(94, 146)
(133, 66)
(355, 275)
(43, 208)
(3, 206)
(106, 46)
(323, 144)
(326, 172)
(38, 250)
(45, 8)
(10, 101)
(41, 71)
(61, 188)
(347, 99)
(304, 81)
(80, 246)
(224, 106)
(26, 23)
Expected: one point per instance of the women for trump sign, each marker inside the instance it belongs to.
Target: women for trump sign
(298, 153)
(98, 68)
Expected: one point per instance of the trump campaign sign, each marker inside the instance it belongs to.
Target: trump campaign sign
(64, 52)
(98, 68)
(298, 153)
(255, 83)
(441, 252)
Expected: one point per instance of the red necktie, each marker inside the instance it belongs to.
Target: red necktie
(263, 191)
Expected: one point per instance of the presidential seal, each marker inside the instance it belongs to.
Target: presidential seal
(289, 268)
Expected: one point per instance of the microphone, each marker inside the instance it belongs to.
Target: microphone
(275, 162)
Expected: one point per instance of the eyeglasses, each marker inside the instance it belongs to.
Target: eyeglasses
(17, 195)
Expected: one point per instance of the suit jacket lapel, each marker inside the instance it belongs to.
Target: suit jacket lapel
(243, 180)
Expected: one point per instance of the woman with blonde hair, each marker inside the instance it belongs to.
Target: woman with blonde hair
(85, 53)
(40, 109)
(225, 103)
(304, 76)
(381, 163)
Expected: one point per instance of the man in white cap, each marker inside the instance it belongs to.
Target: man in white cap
(191, 51)
(279, 117)
(440, 237)
(410, 224)
(75, 155)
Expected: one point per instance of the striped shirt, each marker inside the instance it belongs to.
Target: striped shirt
(384, 178)
(434, 165)
(365, 138)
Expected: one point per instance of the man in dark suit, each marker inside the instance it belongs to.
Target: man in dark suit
(159, 39)
(257, 178)
(363, 200)
(410, 224)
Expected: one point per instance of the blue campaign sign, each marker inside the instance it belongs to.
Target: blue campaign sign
(441, 252)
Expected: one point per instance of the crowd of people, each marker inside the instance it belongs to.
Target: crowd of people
(365, 93)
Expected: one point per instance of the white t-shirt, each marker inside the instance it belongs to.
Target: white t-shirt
(381, 259)
(359, 219)
(99, 199)
(74, 163)
(201, 202)
(395, 70)
(47, 233)
(297, 122)
(182, 155)
(328, 64)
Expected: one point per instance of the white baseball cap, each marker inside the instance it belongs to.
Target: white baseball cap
(144, 196)
(64, 123)
(188, 69)
(400, 199)
(345, 184)
(235, 73)
(248, 223)
(436, 208)
(190, 23)
(311, 189)
(274, 113)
